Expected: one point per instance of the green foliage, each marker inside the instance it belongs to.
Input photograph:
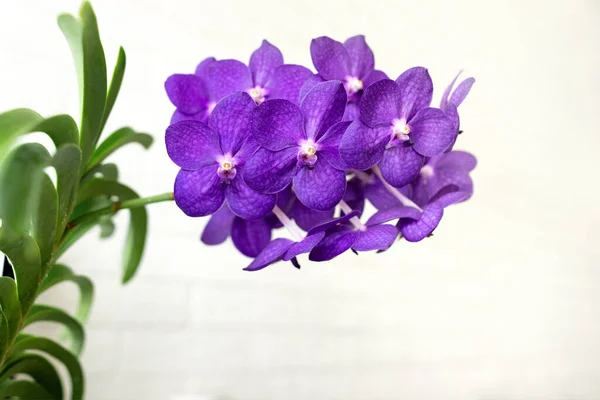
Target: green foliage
(20, 182)
(24, 390)
(94, 82)
(115, 85)
(66, 162)
(38, 368)
(41, 313)
(44, 221)
(24, 254)
(138, 221)
(41, 219)
(15, 123)
(68, 359)
(11, 309)
(115, 141)
(61, 273)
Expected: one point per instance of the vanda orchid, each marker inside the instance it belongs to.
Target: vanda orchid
(260, 146)
(273, 145)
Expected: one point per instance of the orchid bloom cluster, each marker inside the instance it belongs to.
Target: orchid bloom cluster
(270, 145)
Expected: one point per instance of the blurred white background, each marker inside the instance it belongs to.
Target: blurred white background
(502, 303)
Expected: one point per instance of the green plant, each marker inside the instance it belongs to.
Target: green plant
(42, 219)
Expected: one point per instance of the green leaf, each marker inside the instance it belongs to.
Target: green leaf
(138, 222)
(37, 367)
(135, 242)
(62, 129)
(107, 227)
(61, 273)
(9, 302)
(4, 333)
(28, 342)
(24, 390)
(24, 255)
(115, 85)
(66, 161)
(117, 140)
(40, 313)
(20, 182)
(90, 205)
(73, 33)
(94, 82)
(75, 233)
(14, 123)
(45, 219)
(107, 171)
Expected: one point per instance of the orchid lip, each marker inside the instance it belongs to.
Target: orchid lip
(427, 171)
(353, 85)
(210, 107)
(258, 94)
(307, 154)
(400, 129)
(226, 169)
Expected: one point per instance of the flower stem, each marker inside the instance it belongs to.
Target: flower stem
(127, 204)
(362, 176)
(287, 222)
(395, 192)
(354, 220)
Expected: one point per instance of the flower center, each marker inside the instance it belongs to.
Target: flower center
(353, 85)
(307, 154)
(401, 130)
(210, 107)
(426, 172)
(226, 169)
(258, 94)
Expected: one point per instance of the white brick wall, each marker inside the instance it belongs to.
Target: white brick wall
(500, 304)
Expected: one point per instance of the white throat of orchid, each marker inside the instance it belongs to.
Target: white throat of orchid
(210, 107)
(354, 85)
(401, 130)
(258, 94)
(307, 154)
(426, 172)
(226, 169)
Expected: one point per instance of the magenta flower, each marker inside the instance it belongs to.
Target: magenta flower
(452, 99)
(250, 237)
(266, 77)
(195, 95)
(191, 95)
(266, 145)
(286, 249)
(397, 128)
(375, 234)
(443, 181)
(352, 62)
(300, 144)
(212, 158)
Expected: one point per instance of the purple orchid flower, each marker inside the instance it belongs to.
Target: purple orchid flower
(397, 128)
(249, 237)
(195, 95)
(300, 144)
(265, 77)
(376, 234)
(351, 62)
(286, 249)
(381, 198)
(443, 181)
(452, 99)
(191, 95)
(212, 159)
